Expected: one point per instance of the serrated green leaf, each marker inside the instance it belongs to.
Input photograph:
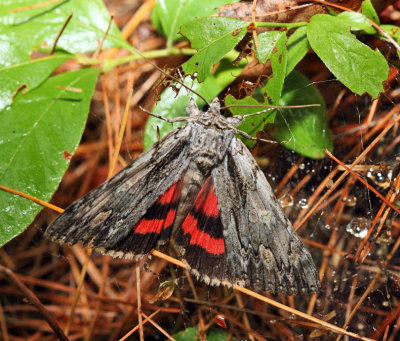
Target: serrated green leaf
(304, 130)
(253, 124)
(204, 31)
(24, 31)
(26, 76)
(34, 132)
(297, 46)
(353, 63)
(214, 37)
(356, 21)
(169, 15)
(274, 85)
(172, 105)
(190, 334)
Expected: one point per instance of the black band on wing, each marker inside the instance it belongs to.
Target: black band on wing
(208, 224)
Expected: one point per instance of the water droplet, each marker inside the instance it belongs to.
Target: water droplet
(303, 203)
(302, 166)
(350, 201)
(358, 227)
(380, 177)
(286, 201)
(360, 326)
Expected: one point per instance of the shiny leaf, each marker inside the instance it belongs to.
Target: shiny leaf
(214, 37)
(304, 130)
(353, 63)
(34, 133)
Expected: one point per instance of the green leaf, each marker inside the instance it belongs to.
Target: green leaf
(26, 76)
(394, 32)
(253, 124)
(369, 11)
(34, 132)
(214, 37)
(173, 105)
(274, 85)
(190, 334)
(169, 15)
(304, 130)
(357, 21)
(297, 46)
(24, 31)
(266, 45)
(353, 63)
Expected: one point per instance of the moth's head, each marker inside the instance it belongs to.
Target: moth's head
(215, 108)
(212, 110)
(209, 117)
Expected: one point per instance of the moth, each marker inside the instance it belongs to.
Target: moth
(201, 189)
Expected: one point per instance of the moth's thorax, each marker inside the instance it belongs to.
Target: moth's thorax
(208, 145)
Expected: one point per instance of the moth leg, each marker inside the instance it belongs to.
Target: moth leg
(170, 120)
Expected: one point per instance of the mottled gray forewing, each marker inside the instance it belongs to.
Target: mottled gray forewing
(106, 216)
(262, 247)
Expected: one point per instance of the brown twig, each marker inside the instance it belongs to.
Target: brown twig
(60, 33)
(34, 301)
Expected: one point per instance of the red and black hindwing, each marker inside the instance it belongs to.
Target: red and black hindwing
(156, 225)
(200, 239)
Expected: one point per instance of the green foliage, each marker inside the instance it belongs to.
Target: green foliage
(253, 124)
(303, 130)
(353, 63)
(40, 117)
(369, 11)
(213, 37)
(297, 46)
(356, 21)
(26, 76)
(34, 132)
(25, 31)
(278, 57)
(190, 334)
(169, 16)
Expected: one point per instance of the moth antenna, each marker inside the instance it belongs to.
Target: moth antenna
(247, 136)
(183, 80)
(269, 107)
(172, 77)
(180, 75)
(170, 120)
(237, 119)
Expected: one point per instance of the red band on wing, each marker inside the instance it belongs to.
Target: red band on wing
(206, 205)
(149, 226)
(206, 201)
(171, 194)
(162, 213)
